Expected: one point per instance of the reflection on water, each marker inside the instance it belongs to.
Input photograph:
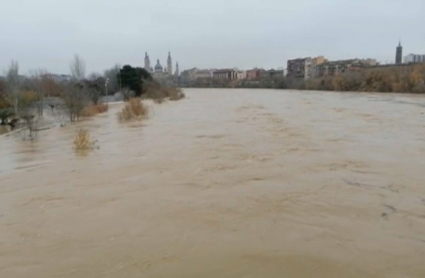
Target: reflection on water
(226, 183)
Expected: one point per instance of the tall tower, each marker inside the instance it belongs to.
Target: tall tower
(147, 62)
(399, 54)
(177, 70)
(169, 64)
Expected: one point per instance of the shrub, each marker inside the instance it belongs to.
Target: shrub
(88, 111)
(102, 108)
(159, 93)
(82, 141)
(75, 100)
(5, 114)
(27, 98)
(93, 110)
(133, 109)
(175, 94)
(4, 101)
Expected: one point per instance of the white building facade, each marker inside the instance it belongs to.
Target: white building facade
(414, 58)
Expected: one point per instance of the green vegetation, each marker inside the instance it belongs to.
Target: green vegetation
(5, 115)
(134, 79)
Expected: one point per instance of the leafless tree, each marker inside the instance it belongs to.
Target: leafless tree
(13, 82)
(75, 100)
(26, 110)
(60, 114)
(78, 68)
(37, 82)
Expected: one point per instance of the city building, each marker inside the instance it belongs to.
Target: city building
(203, 74)
(414, 58)
(332, 68)
(164, 75)
(188, 75)
(253, 74)
(311, 71)
(296, 67)
(147, 63)
(279, 73)
(169, 64)
(229, 74)
(305, 68)
(195, 73)
(399, 54)
(370, 62)
(241, 74)
(177, 73)
(158, 67)
(59, 78)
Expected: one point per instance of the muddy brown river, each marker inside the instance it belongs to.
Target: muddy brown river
(226, 183)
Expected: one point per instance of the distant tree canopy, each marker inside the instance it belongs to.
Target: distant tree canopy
(134, 78)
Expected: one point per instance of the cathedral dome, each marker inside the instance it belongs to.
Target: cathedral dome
(158, 67)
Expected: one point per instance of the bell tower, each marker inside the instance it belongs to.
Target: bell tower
(169, 64)
(147, 62)
(399, 53)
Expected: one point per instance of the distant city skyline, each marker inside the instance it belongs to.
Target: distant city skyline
(218, 34)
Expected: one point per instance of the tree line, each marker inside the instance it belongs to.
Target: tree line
(24, 98)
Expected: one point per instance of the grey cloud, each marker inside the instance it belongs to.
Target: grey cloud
(210, 34)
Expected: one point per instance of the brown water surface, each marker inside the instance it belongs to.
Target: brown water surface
(226, 183)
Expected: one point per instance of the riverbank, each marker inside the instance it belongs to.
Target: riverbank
(391, 79)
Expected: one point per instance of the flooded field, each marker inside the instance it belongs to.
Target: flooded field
(226, 183)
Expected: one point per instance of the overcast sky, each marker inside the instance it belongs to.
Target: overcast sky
(205, 34)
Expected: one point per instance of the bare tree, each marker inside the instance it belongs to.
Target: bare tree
(78, 68)
(75, 100)
(26, 110)
(13, 82)
(36, 82)
(60, 113)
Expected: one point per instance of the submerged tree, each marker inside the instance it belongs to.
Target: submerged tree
(27, 109)
(75, 100)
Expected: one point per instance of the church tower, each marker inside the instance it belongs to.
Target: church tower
(177, 70)
(147, 62)
(399, 54)
(169, 64)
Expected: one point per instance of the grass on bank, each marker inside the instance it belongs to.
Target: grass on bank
(93, 110)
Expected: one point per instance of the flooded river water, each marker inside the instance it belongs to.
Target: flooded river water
(226, 183)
